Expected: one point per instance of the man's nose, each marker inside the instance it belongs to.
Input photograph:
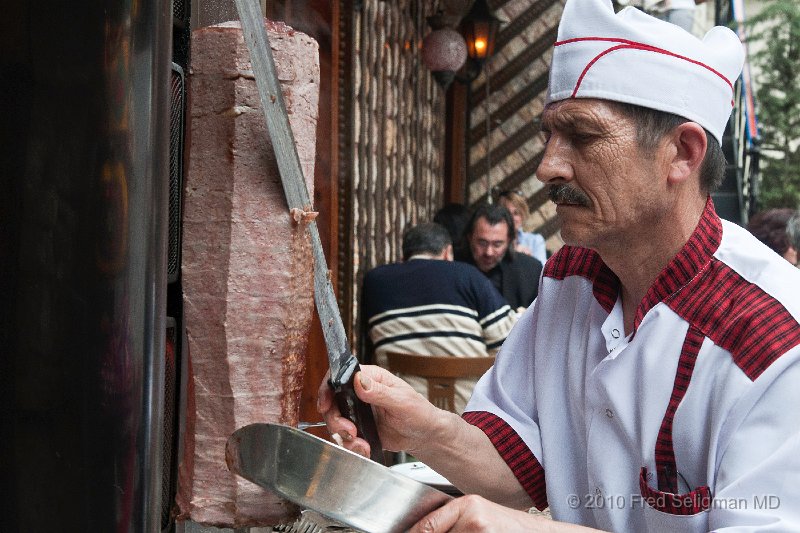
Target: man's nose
(555, 165)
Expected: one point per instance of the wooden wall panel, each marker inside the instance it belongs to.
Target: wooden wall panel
(398, 121)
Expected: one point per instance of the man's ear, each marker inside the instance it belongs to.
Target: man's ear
(689, 145)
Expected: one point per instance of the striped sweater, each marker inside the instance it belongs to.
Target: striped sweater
(434, 307)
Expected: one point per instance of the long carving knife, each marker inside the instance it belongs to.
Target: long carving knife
(343, 364)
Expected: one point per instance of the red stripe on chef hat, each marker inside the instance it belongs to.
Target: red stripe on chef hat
(633, 45)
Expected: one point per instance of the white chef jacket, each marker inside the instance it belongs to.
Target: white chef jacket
(689, 424)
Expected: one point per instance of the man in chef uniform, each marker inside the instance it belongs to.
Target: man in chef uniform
(654, 383)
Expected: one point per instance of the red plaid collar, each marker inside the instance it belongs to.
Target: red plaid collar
(693, 258)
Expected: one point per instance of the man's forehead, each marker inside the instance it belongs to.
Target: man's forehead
(482, 225)
(575, 112)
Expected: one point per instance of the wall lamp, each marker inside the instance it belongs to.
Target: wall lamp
(445, 51)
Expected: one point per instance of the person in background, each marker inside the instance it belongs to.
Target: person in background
(525, 242)
(678, 12)
(772, 228)
(651, 387)
(489, 238)
(793, 230)
(454, 217)
(430, 305)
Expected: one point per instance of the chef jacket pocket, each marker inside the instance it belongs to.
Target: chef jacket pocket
(667, 511)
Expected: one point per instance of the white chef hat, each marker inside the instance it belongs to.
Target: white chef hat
(635, 58)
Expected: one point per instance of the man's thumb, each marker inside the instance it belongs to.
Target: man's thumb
(366, 381)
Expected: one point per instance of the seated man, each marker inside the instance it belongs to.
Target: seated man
(429, 305)
(490, 237)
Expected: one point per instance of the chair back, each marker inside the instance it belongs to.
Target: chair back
(441, 372)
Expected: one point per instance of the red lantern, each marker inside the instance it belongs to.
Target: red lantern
(444, 52)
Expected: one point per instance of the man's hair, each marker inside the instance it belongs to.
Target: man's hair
(793, 231)
(771, 228)
(425, 238)
(652, 125)
(517, 199)
(454, 217)
(494, 214)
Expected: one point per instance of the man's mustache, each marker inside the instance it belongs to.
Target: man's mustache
(564, 194)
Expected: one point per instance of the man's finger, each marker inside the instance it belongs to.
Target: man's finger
(375, 385)
(440, 520)
(370, 390)
(359, 446)
(324, 395)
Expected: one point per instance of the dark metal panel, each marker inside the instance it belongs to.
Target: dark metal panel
(455, 171)
(345, 59)
(84, 268)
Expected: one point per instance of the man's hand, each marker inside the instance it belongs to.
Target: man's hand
(475, 514)
(405, 419)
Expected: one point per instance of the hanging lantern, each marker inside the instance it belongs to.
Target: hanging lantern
(444, 52)
(479, 27)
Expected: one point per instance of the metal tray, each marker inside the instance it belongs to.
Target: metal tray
(337, 483)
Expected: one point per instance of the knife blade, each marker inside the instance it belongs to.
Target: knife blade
(343, 364)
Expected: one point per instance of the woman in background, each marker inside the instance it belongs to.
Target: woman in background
(771, 228)
(526, 242)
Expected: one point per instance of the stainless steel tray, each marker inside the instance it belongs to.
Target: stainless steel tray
(339, 484)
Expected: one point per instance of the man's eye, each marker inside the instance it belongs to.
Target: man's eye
(582, 138)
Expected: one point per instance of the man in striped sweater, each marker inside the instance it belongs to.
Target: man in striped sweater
(431, 305)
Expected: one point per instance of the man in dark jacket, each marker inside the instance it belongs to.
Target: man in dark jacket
(490, 233)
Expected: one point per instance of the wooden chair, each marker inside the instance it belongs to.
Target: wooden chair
(440, 372)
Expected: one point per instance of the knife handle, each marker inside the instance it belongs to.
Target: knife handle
(360, 413)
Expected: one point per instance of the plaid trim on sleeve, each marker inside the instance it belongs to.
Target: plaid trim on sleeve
(738, 316)
(526, 468)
